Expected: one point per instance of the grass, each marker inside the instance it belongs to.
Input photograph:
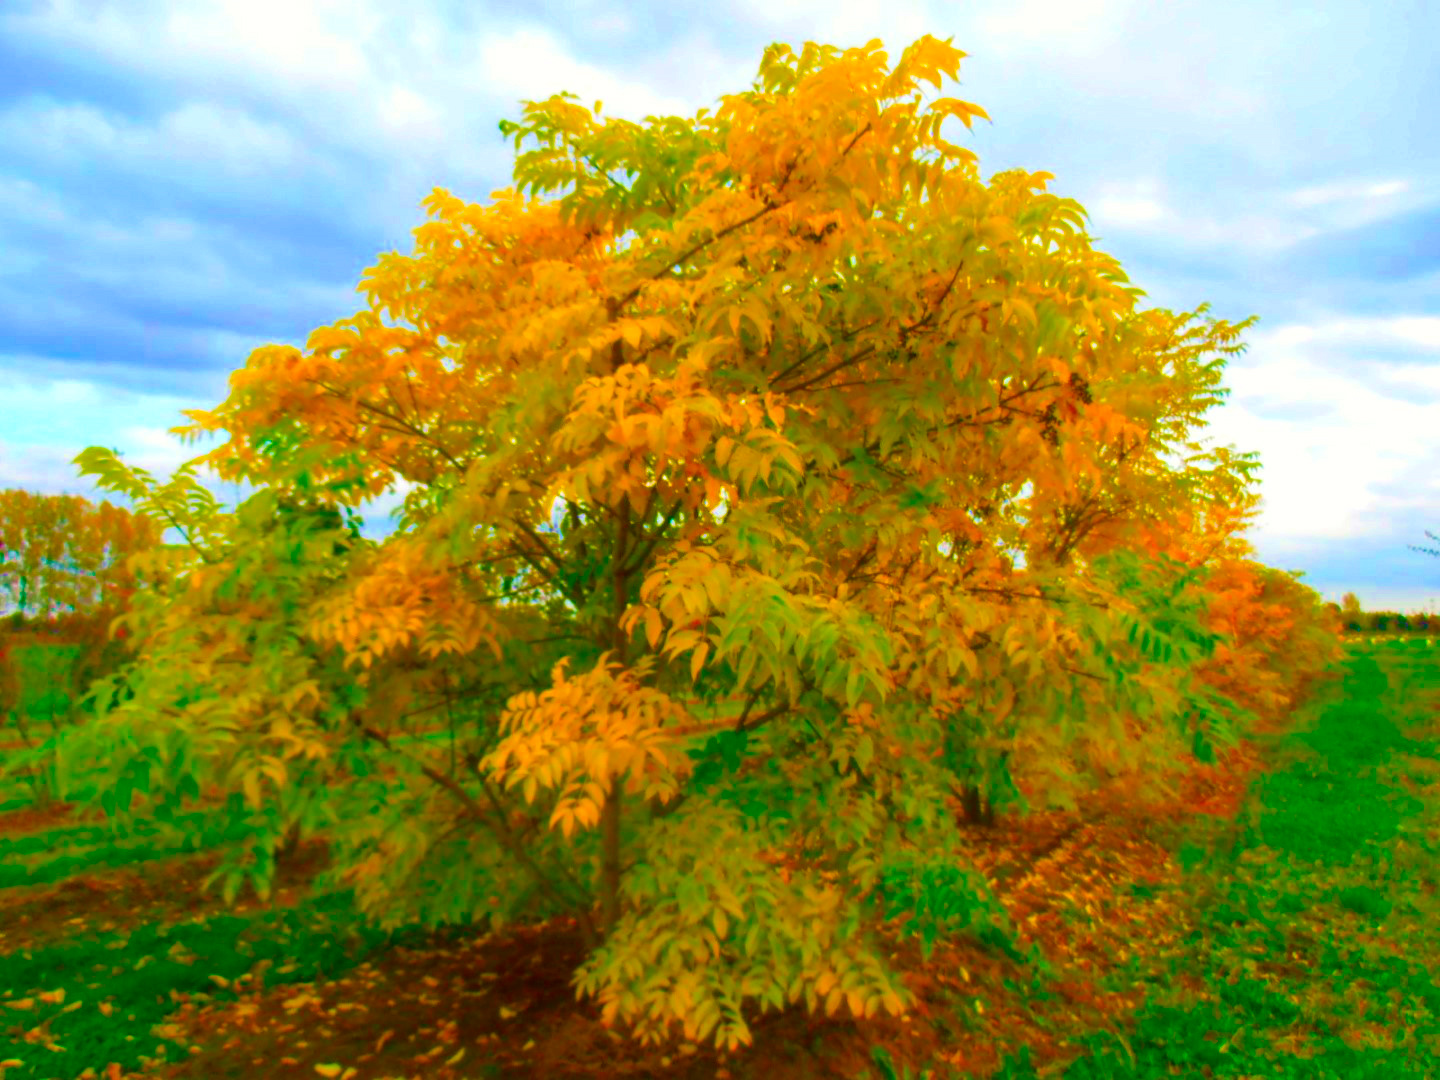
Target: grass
(1313, 952)
(1282, 924)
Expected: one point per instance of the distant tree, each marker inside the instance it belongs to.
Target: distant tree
(1350, 611)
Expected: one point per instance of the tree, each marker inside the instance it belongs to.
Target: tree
(858, 352)
(59, 550)
(63, 567)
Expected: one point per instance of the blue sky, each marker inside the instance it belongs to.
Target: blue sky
(183, 182)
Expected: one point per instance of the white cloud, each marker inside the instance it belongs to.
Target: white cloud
(1142, 206)
(195, 137)
(1065, 27)
(532, 64)
(1358, 332)
(613, 23)
(27, 201)
(404, 113)
(1328, 193)
(314, 42)
(230, 138)
(1117, 210)
(846, 24)
(1322, 470)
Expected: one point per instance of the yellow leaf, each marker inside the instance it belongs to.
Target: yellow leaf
(54, 997)
(697, 659)
(22, 1003)
(455, 1060)
(328, 1070)
(563, 816)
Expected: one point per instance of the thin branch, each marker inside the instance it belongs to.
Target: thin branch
(643, 553)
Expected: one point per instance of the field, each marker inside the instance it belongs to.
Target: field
(1282, 923)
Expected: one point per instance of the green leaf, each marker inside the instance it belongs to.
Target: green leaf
(1201, 748)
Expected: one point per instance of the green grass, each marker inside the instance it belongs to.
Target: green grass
(59, 854)
(1316, 938)
(142, 973)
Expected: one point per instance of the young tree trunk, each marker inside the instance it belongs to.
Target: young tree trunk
(285, 853)
(978, 810)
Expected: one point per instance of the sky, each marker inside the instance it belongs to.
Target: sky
(182, 183)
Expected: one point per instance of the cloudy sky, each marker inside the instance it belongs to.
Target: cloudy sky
(182, 182)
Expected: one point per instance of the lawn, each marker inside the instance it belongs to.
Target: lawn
(1281, 923)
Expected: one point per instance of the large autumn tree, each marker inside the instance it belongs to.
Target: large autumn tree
(708, 573)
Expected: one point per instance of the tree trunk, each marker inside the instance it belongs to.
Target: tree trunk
(285, 853)
(978, 811)
(610, 859)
